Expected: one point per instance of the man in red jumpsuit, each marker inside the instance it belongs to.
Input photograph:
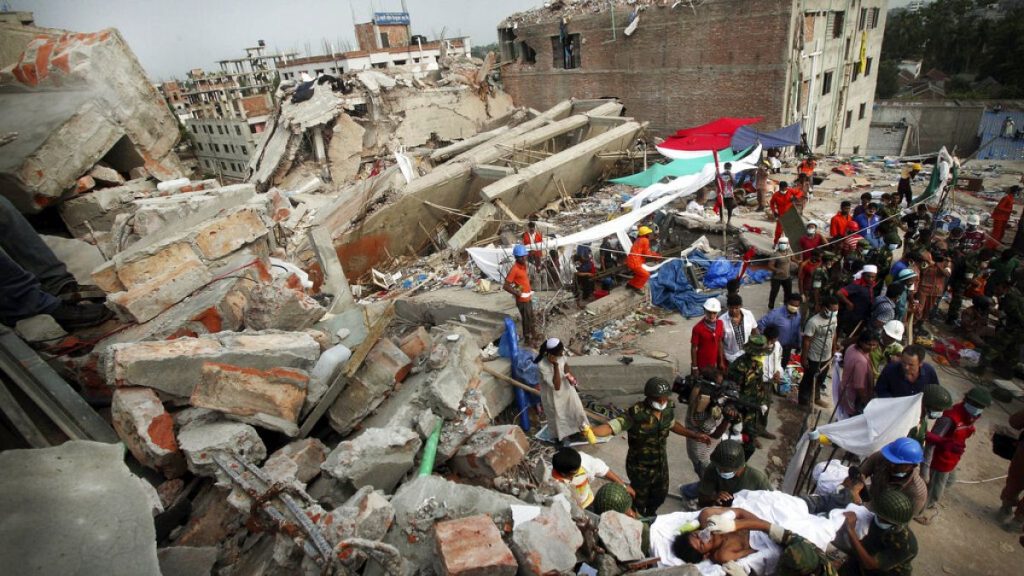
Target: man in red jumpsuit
(531, 237)
(780, 202)
(1001, 215)
(635, 261)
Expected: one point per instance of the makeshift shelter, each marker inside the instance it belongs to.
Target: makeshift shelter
(714, 135)
(746, 137)
(681, 167)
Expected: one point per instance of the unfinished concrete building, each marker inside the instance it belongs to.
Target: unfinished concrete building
(681, 64)
(69, 101)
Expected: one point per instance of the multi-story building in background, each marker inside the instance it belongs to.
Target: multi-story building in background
(813, 61)
(384, 42)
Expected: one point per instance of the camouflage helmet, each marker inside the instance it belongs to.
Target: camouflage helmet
(863, 243)
(936, 398)
(612, 497)
(757, 344)
(894, 507)
(829, 255)
(980, 397)
(799, 559)
(728, 455)
(657, 388)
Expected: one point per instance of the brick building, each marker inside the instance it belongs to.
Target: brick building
(810, 60)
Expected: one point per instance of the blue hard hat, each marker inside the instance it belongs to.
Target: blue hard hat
(903, 451)
(519, 251)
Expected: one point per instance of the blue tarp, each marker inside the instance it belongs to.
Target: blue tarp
(671, 289)
(677, 168)
(745, 137)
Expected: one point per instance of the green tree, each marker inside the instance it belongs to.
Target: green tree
(888, 83)
(481, 51)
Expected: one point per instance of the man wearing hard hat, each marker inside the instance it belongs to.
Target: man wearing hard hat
(903, 188)
(517, 283)
(635, 261)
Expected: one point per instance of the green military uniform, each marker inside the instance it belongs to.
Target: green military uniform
(893, 549)
(822, 282)
(887, 227)
(612, 497)
(711, 483)
(748, 372)
(1007, 350)
(965, 268)
(882, 258)
(647, 457)
(800, 557)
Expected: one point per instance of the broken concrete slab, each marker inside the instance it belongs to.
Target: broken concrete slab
(279, 306)
(77, 496)
(491, 452)
(472, 546)
(144, 302)
(385, 365)
(201, 440)
(187, 561)
(300, 460)
(142, 423)
(346, 148)
(496, 393)
(416, 343)
(422, 501)
(379, 457)
(106, 176)
(175, 366)
(622, 536)
(472, 418)
(161, 216)
(269, 398)
(609, 379)
(548, 543)
(39, 328)
(212, 520)
(448, 386)
(367, 514)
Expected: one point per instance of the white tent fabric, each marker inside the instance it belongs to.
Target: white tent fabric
(883, 420)
(682, 154)
(686, 185)
(772, 506)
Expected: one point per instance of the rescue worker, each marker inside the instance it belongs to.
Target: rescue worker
(517, 283)
(635, 261)
(648, 424)
(1011, 304)
(903, 188)
(974, 238)
(748, 372)
(840, 223)
(1001, 215)
(935, 401)
(894, 467)
(889, 547)
(577, 470)
(780, 203)
(533, 237)
(727, 475)
(947, 442)
(707, 346)
(613, 498)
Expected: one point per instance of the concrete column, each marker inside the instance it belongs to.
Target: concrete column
(334, 276)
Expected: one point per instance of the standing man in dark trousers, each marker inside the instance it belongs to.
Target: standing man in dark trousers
(819, 344)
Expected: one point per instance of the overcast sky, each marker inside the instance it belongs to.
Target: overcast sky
(170, 37)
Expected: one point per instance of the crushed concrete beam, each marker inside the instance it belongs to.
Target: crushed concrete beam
(492, 171)
(443, 154)
(269, 398)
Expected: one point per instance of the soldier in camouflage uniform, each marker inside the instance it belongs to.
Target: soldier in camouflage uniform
(748, 372)
(648, 424)
(889, 543)
(888, 227)
(824, 282)
(1011, 303)
(966, 267)
(935, 401)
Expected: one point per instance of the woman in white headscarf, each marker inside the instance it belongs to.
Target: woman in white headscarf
(562, 404)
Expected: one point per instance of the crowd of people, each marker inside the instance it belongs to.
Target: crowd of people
(855, 295)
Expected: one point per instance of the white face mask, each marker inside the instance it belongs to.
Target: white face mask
(792, 309)
(829, 314)
(913, 287)
(659, 406)
(935, 415)
(973, 410)
(893, 246)
(865, 251)
(882, 525)
(727, 475)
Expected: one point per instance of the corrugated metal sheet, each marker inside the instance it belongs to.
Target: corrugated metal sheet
(995, 146)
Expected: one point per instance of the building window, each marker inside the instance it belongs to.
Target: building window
(566, 55)
(819, 139)
(220, 129)
(385, 42)
(238, 130)
(856, 150)
(223, 165)
(826, 83)
(526, 54)
(200, 145)
(862, 21)
(867, 68)
(207, 162)
(835, 23)
(862, 112)
(245, 151)
(856, 72)
(849, 118)
(216, 147)
(873, 15)
(194, 130)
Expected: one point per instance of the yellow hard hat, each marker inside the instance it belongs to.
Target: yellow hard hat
(644, 231)
(916, 166)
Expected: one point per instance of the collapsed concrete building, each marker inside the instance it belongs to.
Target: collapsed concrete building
(70, 102)
(277, 424)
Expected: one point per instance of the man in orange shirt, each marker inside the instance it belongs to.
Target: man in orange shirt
(517, 283)
(635, 261)
(532, 236)
(780, 202)
(840, 224)
(806, 168)
(1001, 215)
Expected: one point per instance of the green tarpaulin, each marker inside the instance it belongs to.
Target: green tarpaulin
(677, 168)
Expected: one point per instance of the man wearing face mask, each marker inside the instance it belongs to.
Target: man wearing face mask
(810, 241)
(727, 475)
(648, 424)
(787, 320)
(947, 442)
(706, 339)
(748, 372)
(935, 401)
(819, 344)
(889, 546)
(894, 467)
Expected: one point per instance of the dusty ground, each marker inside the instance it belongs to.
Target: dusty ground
(964, 539)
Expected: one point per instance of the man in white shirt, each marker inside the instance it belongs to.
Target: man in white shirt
(819, 344)
(577, 470)
(774, 371)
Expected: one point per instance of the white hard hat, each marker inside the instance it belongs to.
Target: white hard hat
(894, 328)
(712, 305)
(974, 220)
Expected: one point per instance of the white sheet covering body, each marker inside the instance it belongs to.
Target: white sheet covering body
(772, 506)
